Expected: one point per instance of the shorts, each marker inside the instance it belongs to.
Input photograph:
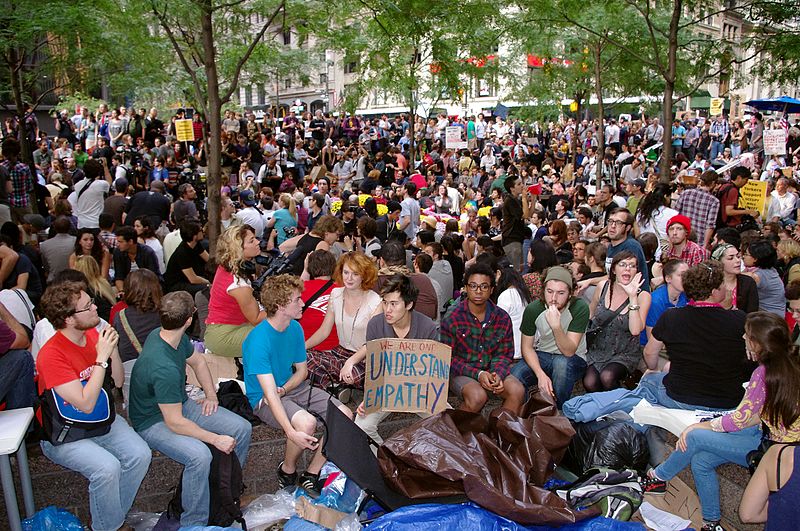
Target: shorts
(298, 399)
(457, 383)
(226, 340)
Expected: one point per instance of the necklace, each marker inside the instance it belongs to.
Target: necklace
(355, 317)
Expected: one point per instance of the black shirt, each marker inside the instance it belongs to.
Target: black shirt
(317, 135)
(707, 355)
(152, 204)
(184, 257)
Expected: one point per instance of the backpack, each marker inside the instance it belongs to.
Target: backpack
(225, 487)
(129, 176)
(616, 494)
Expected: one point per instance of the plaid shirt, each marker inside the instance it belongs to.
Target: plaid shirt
(108, 239)
(21, 183)
(692, 254)
(486, 346)
(701, 207)
(719, 128)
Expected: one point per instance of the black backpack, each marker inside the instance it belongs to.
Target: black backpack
(226, 488)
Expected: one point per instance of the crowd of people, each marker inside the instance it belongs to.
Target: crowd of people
(539, 260)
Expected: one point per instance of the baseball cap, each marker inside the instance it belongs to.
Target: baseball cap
(683, 220)
(36, 220)
(639, 183)
(247, 197)
(559, 273)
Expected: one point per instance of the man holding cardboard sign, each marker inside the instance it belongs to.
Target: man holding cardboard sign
(398, 320)
(482, 340)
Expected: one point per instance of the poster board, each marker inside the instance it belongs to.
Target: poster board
(452, 137)
(406, 375)
(184, 131)
(716, 106)
(680, 499)
(774, 142)
(753, 196)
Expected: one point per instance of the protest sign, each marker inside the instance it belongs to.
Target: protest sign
(184, 131)
(774, 142)
(753, 196)
(408, 375)
(716, 106)
(452, 137)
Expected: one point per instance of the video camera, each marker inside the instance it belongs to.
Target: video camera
(274, 265)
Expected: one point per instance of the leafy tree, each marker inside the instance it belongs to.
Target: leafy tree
(777, 33)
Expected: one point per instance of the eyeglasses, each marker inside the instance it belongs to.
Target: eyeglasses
(616, 222)
(479, 287)
(627, 265)
(88, 308)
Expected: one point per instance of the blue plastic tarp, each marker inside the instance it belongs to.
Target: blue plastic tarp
(432, 517)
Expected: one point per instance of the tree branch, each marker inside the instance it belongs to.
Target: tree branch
(228, 5)
(651, 31)
(375, 17)
(162, 20)
(243, 59)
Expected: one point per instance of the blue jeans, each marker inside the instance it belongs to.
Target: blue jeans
(114, 464)
(195, 455)
(17, 388)
(705, 451)
(716, 149)
(563, 371)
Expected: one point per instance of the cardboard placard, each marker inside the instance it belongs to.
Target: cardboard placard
(452, 137)
(716, 106)
(774, 142)
(184, 131)
(753, 196)
(406, 375)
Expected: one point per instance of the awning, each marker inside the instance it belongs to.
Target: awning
(704, 102)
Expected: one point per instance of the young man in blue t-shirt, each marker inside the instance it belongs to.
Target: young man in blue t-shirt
(280, 397)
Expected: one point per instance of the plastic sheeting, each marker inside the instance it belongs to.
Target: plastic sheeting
(499, 463)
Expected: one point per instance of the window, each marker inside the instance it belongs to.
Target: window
(248, 96)
(262, 95)
(323, 79)
(287, 37)
(287, 84)
(351, 67)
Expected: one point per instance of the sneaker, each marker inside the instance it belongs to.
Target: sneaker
(651, 485)
(711, 526)
(310, 482)
(285, 479)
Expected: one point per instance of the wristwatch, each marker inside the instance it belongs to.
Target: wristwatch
(633, 307)
(103, 364)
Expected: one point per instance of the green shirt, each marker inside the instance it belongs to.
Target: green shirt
(158, 377)
(574, 318)
(80, 158)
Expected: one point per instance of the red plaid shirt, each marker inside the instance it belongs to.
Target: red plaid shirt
(692, 254)
(701, 207)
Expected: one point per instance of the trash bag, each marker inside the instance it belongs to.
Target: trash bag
(434, 517)
(52, 519)
(269, 508)
(232, 398)
(500, 463)
(142, 521)
(606, 443)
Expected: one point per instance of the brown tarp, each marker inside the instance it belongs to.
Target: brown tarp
(500, 463)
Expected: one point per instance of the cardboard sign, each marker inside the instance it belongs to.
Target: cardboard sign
(452, 137)
(408, 375)
(716, 106)
(184, 131)
(753, 196)
(774, 142)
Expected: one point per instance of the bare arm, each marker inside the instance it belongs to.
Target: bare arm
(248, 304)
(8, 259)
(755, 500)
(85, 397)
(177, 423)
(270, 390)
(21, 341)
(651, 351)
(323, 331)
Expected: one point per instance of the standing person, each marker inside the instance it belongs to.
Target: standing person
(515, 212)
(481, 337)
(701, 207)
(163, 415)
(559, 320)
(275, 375)
(728, 194)
(77, 363)
(19, 184)
(409, 213)
(398, 320)
(620, 308)
(719, 132)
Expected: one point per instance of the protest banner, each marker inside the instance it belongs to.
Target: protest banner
(716, 106)
(184, 131)
(774, 142)
(452, 137)
(408, 375)
(753, 196)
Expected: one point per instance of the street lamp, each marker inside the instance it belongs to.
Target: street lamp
(330, 57)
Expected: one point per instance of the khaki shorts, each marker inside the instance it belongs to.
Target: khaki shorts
(226, 340)
(298, 399)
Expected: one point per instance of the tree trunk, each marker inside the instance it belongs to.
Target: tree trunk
(601, 133)
(14, 67)
(669, 91)
(412, 146)
(214, 146)
(576, 134)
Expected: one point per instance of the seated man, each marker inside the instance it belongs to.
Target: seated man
(130, 253)
(187, 264)
(400, 320)
(272, 351)
(164, 416)
(560, 320)
(680, 247)
(481, 336)
(17, 388)
(75, 362)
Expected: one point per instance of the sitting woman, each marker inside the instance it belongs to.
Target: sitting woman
(99, 289)
(147, 236)
(542, 255)
(741, 291)
(233, 311)
(135, 322)
(350, 308)
(771, 398)
(284, 220)
(619, 308)
(86, 244)
(763, 256)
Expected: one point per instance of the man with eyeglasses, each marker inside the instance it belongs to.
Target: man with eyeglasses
(168, 420)
(76, 363)
(482, 341)
(619, 225)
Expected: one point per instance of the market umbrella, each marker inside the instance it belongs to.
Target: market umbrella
(784, 104)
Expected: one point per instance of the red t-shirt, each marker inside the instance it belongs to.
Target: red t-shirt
(222, 307)
(61, 361)
(315, 314)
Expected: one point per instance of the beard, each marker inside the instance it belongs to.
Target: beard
(88, 324)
